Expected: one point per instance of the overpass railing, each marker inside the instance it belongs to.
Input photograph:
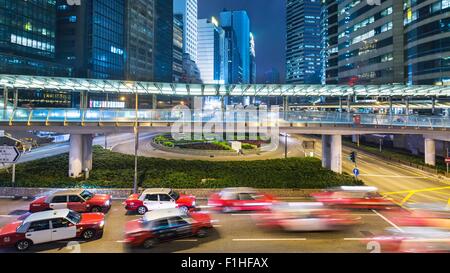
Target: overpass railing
(52, 115)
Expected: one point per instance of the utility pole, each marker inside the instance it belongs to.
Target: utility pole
(136, 143)
(285, 145)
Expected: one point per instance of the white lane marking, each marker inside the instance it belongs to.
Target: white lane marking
(9, 215)
(216, 226)
(268, 239)
(121, 241)
(247, 214)
(187, 240)
(353, 239)
(387, 220)
(393, 176)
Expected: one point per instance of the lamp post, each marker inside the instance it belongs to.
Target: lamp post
(136, 142)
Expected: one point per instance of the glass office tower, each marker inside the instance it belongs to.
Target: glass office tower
(427, 39)
(188, 11)
(236, 25)
(139, 40)
(210, 59)
(91, 38)
(28, 38)
(163, 55)
(304, 42)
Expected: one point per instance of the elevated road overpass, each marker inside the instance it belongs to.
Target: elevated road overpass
(83, 122)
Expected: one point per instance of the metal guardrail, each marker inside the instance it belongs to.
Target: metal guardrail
(85, 116)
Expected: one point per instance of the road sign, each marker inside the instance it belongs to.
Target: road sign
(447, 160)
(356, 171)
(9, 154)
(2, 133)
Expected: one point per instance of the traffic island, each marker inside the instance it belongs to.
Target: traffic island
(115, 170)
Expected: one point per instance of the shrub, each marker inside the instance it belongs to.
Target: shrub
(247, 146)
(114, 170)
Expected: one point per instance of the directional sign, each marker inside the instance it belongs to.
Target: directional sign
(356, 171)
(9, 154)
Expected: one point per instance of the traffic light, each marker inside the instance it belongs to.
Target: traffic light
(352, 157)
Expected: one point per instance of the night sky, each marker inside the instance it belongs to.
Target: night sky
(267, 19)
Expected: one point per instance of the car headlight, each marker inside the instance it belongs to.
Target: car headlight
(193, 203)
(107, 203)
(102, 223)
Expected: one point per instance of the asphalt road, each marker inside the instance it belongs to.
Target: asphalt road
(231, 233)
(60, 148)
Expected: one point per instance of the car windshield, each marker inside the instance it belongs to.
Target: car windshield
(74, 217)
(87, 195)
(175, 195)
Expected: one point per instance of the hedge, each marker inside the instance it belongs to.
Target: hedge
(114, 170)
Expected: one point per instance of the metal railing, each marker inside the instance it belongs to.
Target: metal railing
(54, 115)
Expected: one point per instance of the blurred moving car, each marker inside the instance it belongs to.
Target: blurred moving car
(423, 215)
(78, 200)
(49, 226)
(413, 240)
(355, 197)
(240, 199)
(154, 199)
(306, 216)
(166, 225)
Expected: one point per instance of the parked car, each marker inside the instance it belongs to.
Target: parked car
(356, 197)
(78, 200)
(165, 225)
(154, 199)
(306, 216)
(240, 199)
(50, 226)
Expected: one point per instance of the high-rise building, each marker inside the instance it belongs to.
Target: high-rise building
(210, 57)
(188, 11)
(177, 48)
(329, 48)
(236, 25)
(304, 42)
(272, 76)
(28, 38)
(252, 59)
(91, 38)
(139, 40)
(427, 42)
(163, 41)
(370, 42)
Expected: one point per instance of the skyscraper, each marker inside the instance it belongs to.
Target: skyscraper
(252, 59)
(236, 25)
(177, 48)
(304, 42)
(188, 11)
(370, 42)
(427, 42)
(210, 59)
(272, 76)
(28, 39)
(163, 41)
(139, 40)
(329, 42)
(91, 38)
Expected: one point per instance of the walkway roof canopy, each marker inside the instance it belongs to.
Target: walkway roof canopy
(182, 89)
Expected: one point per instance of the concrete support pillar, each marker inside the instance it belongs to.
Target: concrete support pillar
(285, 106)
(433, 105)
(5, 97)
(407, 105)
(16, 97)
(390, 106)
(154, 101)
(80, 154)
(332, 152)
(87, 152)
(76, 156)
(340, 104)
(430, 151)
(349, 108)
